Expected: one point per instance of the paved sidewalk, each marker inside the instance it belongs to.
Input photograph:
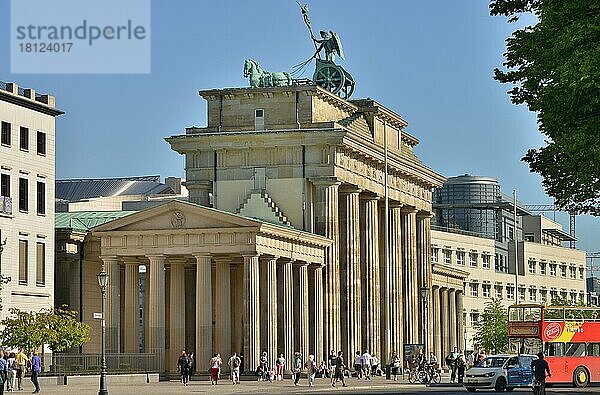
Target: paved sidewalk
(225, 387)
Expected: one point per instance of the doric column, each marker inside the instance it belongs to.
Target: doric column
(316, 296)
(252, 314)
(444, 324)
(269, 313)
(301, 324)
(132, 307)
(286, 310)
(176, 311)
(113, 304)
(424, 269)
(370, 298)
(460, 319)
(204, 308)
(350, 269)
(326, 224)
(223, 307)
(395, 301)
(156, 312)
(411, 284)
(452, 327)
(437, 335)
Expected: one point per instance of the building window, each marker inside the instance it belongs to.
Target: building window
(581, 273)
(531, 267)
(572, 271)
(474, 289)
(41, 198)
(498, 291)
(563, 294)
(532, 294)
(5, 185)
(563, 271)
(473, 259)
(6, 133)
(41, 143)
(543, 295)
(521, 293)
(24, 139)
(573, 297)
(511, 234)
(23, 259)
(553, 269)
(485, 290)
(460, 258)
(542, 268)
(447, 257)
(474, 318)
(434, 255)
(510, 292)
(23, 194)
(486, 261)
(553, 295)
(40, 264)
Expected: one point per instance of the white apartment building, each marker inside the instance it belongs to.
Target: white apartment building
(547, 271)
(27, 175)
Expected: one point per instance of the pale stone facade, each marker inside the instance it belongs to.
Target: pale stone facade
(27, 168)
(322, 162)
(546, 272)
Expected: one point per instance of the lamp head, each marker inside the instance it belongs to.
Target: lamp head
(102, 279)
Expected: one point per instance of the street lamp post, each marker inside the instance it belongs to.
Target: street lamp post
(425, 298)
(103, 281)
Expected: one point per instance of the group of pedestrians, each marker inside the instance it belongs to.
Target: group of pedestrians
(185, 365)
(13, 367)
(457, 363)
(365, 365)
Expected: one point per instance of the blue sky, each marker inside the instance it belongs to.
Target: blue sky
(431, 61)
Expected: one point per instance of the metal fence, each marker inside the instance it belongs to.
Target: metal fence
(115, 363)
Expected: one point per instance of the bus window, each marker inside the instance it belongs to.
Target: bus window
(575, 350)
(532, 314)
(593, 350)
(555, 349)
(553, 313)
(515, 314)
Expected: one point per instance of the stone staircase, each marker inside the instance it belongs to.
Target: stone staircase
(258, 204)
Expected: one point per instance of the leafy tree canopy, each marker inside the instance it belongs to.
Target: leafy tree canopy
(492, 328)
(58, 328)
(555, 68)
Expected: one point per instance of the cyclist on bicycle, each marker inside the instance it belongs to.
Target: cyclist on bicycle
(540, 368)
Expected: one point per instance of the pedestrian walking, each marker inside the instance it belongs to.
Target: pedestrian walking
(280, 362)
(331, 363)
(12, 371)
(358, 365)
(215, 366)
(192, 367)
(311, 370)
(461, 363)
(183, 366)
(36, 368)
(451, 363)
(234, 367)
(3, 372)
(297, 367)
(366, 365)
(374, 365)
(21, 359)
(339, 369)
(395, 365)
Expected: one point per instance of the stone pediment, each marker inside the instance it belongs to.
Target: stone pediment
(177, 215)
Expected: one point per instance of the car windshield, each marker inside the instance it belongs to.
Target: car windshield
(491, 362)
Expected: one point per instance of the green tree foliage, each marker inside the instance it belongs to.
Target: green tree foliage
(555, 68)
(492, 328)
(58, 328)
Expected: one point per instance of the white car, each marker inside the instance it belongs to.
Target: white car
(500, 372)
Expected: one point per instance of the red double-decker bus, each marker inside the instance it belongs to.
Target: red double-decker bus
(568, 335)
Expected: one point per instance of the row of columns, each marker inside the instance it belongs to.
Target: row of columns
(448, 323)
(372, 302)
(280, 308)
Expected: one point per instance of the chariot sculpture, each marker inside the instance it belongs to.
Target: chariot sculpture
(327, 75)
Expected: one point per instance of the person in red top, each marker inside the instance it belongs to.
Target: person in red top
(215, 365)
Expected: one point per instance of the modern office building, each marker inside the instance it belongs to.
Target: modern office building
(27, 173)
